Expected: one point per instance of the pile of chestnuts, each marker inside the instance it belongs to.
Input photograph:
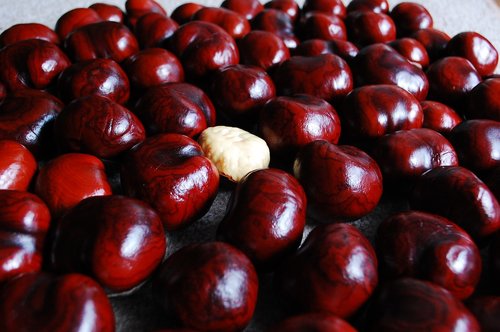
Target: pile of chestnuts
(119, 129)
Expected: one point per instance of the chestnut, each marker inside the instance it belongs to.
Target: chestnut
(325, 76)
(494, 258)
(289, 123)
(375, 110)
(459, 195)
(412, 50)
(367, 27)
(170, 172)
(265, 217)
(341, 182)
(434, 41)
(27, 116)
(492, 180)
(426, 246)
(475, 48)
(209, 287)
(483, 102)
(98, 126)
(32, 63)
(477, 143)
(153, 29)
(487, 311)
(239, 91)
(49, 303)
(108, 12)
(137, 8)
(411, 17)
(234, 24)
(439, 117)
(406, 154)
(152, 67)
(376, 6)
(203, 47)
(381, 64)
(175, 108)
(451, 79)
(246, 8)
(107, 40)
(277, 22)
(116, 240)
(334, 271)
(318, 322)
(66, 180)
(75, 19)
(414, 305)
(19, 32)
(24, 222)
(102, 77)
(331, 7)
(289, 7)
(263, 49)
(322, 26)
(312, 47)
(17, 166)
(185, 12)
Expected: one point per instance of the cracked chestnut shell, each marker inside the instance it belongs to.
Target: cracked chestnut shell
(334, 271)
(483, 102)
(210, 287)
(17, 166)
(234, 24)
(25, 31)
(263, 49)
(265, 217)
(411, 17)
(341, 182)
(429, 247)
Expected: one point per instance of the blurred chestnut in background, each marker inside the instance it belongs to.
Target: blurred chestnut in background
(412, 50)
(234, 24)
(290, 7)
(277, 22)
(366, 28)
(312, 47)
(411, 17)
(434, 41)
(439, 117)
(263, 49)
(17, 166)
(313, 322)
(334, 271)
(322, 26)
(153, 29)
(331, 7)
(487, 311)
(25, 31)
(483, 102)
(426, 246)
(376, 6)
(74, 19)
(137, 8)
(183, 13)
(208, 287)
(246, 8)
(108, 12)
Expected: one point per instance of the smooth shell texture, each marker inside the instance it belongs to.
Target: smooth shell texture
(17, 166)
(439, 117)
(483, 101)
(25, 31)
(263, 49)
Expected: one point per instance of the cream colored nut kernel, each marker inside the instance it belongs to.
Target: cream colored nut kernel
(234, 152)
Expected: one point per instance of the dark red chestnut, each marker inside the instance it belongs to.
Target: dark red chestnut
(332, 7)
(494, 258)
(68, 179)
(341, 182)
(426, 246)
(234, 24)
(375, 110)
(152, 67)
(75, 19)
(312, 47)
(457, 194)
(325, 76)
(24, 222)
(246, 8)
(451, 79)
(153, 29)
(265, 217)
(137, 8)
(107, 40)
(477, 143)
(277, 22)
(32, 63)
(377, 6)
(102, 77)
(290, 7)
(406, 154)
(381, 64)
(17, 166)
(322, 26)
(185, 12)
(98, 126)
(492, 180)
(27, 116)
(475, 48)
(334, 271)
(203, 47)
(116, 240)
(240, 91)
(483, 101)
(434, 41)
(108, 12)
(367, 27)
(313, 322)
(48, 303)
(487, 312)
(208, 287)
(412, 50)
(176, 108)
(411, 17)
(413, 305)
(19, 32)
(439, 117)
(263, 49)
(170, 172)
(289, 123)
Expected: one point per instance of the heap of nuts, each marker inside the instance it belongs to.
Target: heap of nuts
(117, 127)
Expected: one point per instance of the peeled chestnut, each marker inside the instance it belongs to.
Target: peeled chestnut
(17, 166)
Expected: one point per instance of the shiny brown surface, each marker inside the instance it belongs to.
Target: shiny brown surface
(263, 49)
(483, 101)
(312, 47)
(153, 29)
(246, 8)
(24, 31)
(17, 166)
(439, 117)
(233, 23)
(367, 28)
(277, 22)
(412, 50)
(411, 17)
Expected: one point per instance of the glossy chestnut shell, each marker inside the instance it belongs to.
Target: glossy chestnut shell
(367, 27)
(290, 7)
(277, 22)
(411, 17)
(439, 117)
(108, 12)
(137, 8)
(185, 12)
(74, 19)
(246, 8)
(17, 166)
(25, 31)
(331, 7)
(434, 41)
(263, 49)
(234, 24)
(322, 26)
(483, 101)
(412, 50)
(376, 6)
(153, 29)
(313, 322)
(312, 47)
